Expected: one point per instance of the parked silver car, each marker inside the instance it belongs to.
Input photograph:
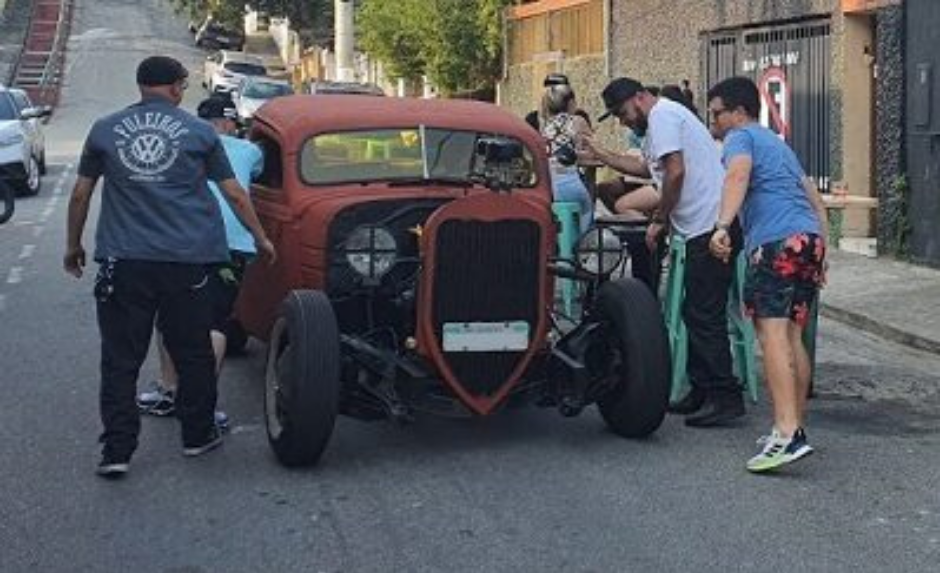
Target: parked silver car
(22, 144)
(224, 70)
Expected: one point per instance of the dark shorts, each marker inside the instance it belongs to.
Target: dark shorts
(783, 278)
(223, 288)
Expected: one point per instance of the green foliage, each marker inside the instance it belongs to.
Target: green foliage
(901, 242)
(229, 12)
(456, 43)
(394, 33)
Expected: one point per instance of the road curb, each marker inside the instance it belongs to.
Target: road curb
(862, 322)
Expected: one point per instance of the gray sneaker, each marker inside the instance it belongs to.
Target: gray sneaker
(158, 401)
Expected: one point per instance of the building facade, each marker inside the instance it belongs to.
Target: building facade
(824, 67)
(831, 74)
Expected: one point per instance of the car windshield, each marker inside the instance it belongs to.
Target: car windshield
(419, 153)
(266, 90)
(7, 111)
(245, 68)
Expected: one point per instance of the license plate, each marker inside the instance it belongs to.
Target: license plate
(221, 39)
(486, 336)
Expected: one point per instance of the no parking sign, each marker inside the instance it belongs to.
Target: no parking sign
(775, 95)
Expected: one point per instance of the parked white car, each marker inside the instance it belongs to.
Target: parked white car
(253, 92)
(22, 144)
(224, 70)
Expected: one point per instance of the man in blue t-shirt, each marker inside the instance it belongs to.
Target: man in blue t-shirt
(783, 218)
(247, 162)
(159, 232)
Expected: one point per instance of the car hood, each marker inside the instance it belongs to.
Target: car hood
(9, 126)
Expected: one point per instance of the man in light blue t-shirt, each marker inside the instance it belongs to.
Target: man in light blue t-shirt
(783, 219)
(247, 161)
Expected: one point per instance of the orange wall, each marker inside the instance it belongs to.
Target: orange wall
(849, 6)
(542, 6)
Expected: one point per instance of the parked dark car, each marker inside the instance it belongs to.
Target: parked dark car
(415, 275)
(216, 36)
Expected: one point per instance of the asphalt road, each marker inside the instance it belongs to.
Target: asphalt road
(524, 491)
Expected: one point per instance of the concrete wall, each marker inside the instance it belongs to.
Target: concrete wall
(658, 41)
(858, 112)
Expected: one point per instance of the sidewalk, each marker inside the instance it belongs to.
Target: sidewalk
(891, 299)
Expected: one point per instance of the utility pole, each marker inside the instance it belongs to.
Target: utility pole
(345, 41)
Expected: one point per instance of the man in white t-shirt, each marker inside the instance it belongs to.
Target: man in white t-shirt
(683, 159)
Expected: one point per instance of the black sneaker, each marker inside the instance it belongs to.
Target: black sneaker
(113, 468)
(157, 401)
(213, 440)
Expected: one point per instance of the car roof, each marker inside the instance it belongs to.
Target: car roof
(297, 117)
(241, 57)
(265, 80)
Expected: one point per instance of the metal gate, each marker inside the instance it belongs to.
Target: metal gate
(790, 64)
(922, 19)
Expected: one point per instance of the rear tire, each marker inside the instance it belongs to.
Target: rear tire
(302, 379)
(636, 406)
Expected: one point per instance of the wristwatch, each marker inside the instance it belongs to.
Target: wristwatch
(719, 226)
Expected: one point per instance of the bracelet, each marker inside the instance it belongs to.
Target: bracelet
(719, 226)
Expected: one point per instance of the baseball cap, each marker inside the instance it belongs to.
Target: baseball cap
(555, 80)
(617, 92)
(160, 71)
(217, 107)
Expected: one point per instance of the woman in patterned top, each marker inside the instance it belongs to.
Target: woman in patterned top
(562, 127)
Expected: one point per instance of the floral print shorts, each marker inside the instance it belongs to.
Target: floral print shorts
(784, 277)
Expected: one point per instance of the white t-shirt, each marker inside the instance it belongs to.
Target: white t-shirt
(674, 128)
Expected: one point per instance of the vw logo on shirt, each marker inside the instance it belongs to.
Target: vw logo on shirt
(148, 143)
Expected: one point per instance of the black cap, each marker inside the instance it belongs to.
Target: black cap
(217, 107)
(617, 92)
(160, 71)
(555, 80)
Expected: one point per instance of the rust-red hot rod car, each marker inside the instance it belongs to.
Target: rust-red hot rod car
(416, 273)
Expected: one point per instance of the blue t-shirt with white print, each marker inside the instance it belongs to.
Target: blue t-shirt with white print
(155, 160)
(776, 205)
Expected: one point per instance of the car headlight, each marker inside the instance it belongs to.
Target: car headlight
(600, 251)
(14, 138)
(371, 251)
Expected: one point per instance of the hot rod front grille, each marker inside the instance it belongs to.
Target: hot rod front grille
(486, 272)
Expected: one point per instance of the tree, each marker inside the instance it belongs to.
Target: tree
(392, 33)
(456, 43)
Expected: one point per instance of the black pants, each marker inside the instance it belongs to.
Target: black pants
(129, 295)
(704, 310)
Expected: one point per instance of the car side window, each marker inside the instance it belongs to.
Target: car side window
(272, 176)
(22, 102)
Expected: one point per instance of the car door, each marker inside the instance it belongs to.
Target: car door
(32, 130)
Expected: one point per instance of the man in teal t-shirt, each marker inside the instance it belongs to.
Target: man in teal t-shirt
(783, 218)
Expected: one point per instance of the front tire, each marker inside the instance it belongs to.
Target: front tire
(302, 381)
(7, 201)
(30, 185)
(636, 332)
